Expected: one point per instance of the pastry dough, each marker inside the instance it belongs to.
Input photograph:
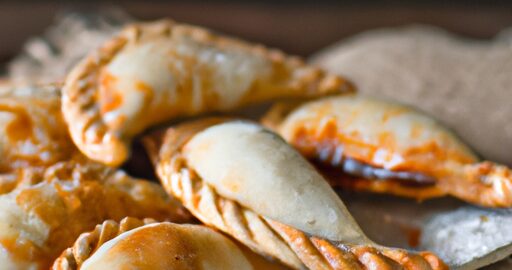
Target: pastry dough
(39, 220)
(32, 130)
(247, 182)
(89, 242)
(463, 82)
(154, 72)
(390, 148)
(145, 244)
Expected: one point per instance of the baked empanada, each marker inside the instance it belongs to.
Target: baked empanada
(32, 129)
(154, 72)
(39, 220)
(246, 181)
(390, 148)
(145, 244)
(462, 82)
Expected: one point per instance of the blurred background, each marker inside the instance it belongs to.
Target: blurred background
(299, 27)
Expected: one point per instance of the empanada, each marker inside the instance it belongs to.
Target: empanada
(154, 72)
(462, 82)
(390, 148)
(39, 220)
(32, 129)
(246, 181)
(145, 244)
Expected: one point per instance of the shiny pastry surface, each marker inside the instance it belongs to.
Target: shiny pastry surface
(156, 72)
(390, 148)
(45, 214)
(256, 195)
(132, 244)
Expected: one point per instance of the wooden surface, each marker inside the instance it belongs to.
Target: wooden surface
(296, 28)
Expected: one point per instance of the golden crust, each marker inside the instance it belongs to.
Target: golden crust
(265, 236)
(92, 92)
(32, 130)
(389, 136)
(87, 243)
(40, 220)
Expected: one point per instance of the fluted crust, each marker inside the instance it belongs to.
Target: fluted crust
(268, 237)
(32, 130)
(87, 243)
(47, 209)
(144, 244)
(158, 71)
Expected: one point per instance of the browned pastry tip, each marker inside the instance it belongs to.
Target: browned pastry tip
(266, 236)
(367, 144)
(485, 183)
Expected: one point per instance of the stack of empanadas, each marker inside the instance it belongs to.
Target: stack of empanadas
(262, 201)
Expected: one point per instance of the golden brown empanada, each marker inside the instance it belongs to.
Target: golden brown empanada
(155, 72)
(32, 129)
(390, 148)
(246, 181)
(135, 244)
(41, 218)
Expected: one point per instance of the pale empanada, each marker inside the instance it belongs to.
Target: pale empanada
(145, 244)
(369, 144)
(249, 183)
(39, 220)
(32, 129)
(155, 72)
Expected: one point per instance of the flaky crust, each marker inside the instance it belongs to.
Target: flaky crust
(41, 218)
(239, 74)
(87, 243)
(394, 137)
(268, 237)
(32, 130)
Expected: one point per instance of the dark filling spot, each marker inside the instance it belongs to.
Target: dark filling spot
(334, 159)
(357, 168)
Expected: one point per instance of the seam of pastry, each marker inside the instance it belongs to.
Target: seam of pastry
(176, 170)
(186, 179)
(103, 143)
(72, 258)
(81, 87)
